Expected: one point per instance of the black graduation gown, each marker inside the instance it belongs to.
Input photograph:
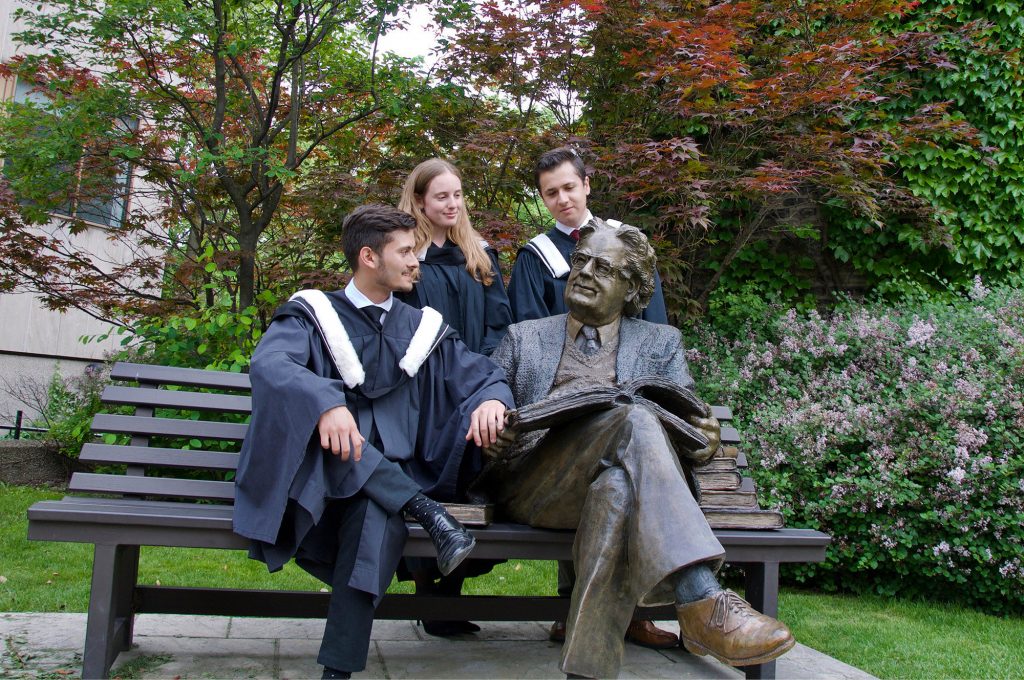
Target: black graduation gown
(536, 294)
(285, 479)
(480, 314)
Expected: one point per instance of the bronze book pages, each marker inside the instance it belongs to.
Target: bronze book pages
(471, 515)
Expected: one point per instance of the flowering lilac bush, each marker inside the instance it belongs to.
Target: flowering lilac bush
(899, 430)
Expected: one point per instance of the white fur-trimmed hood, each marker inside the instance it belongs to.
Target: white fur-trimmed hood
(343, 354)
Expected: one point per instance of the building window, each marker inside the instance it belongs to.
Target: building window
(107, 207)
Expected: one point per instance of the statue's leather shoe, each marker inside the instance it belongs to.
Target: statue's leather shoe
(643, 633)
(646, 634)
(451, 540)
(729, 629)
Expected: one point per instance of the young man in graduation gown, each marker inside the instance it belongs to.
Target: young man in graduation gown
(364, 409)
(537, 290)
(614, 474)
(537, 286)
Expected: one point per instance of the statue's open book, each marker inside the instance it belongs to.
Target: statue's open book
(670, 402)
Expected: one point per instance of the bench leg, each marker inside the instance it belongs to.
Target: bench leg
(762, 592)
(111, 618)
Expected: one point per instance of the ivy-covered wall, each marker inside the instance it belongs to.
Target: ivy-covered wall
(977, 191)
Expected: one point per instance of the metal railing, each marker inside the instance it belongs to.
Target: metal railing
(19, 427)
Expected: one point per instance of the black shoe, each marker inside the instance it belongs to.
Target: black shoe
(449, 628)
(451, 540)
(465, 627)
(334, 674)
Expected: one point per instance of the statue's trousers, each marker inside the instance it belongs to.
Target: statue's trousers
(615, 478)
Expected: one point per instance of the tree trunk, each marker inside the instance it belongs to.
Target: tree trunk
(737, 246)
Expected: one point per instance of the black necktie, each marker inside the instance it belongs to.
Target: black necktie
(374, 313)
(588, 340)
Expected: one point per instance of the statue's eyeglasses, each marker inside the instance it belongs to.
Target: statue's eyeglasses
(602, 267)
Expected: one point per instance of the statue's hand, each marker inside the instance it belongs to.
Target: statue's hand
(712, 429)
(501, 448)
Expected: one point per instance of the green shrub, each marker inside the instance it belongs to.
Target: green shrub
(68, 409)
(897, 430)
(214, 334)
(216, 338)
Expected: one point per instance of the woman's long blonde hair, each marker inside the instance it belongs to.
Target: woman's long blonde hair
(468, 239)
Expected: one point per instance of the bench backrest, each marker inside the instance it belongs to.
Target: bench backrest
(181, 439)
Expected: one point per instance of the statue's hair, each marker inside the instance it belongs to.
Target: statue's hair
(639, 265)
(462, 233)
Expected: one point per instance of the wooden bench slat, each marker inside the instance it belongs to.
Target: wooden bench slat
(177, 399)
(186, 377)
(94, 510)
(204, 429)
(145, 522)
(171, 427)
(166, 487)
(158, 456)
(197, 377)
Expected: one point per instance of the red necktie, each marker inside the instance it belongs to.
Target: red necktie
(575, 234)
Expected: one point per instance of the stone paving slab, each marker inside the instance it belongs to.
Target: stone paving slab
(183, 625)
(49, 646)
(200, 657)
(46, 631)
(299, 629)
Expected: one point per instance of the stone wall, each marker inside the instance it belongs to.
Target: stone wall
(29, 462)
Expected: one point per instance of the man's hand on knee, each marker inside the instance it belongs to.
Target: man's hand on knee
(486, 423)
(339, 433)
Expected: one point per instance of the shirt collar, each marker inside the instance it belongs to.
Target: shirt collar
(568, 230)
(356, 297)
(604, 333)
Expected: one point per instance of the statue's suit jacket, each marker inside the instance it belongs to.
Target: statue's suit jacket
(531, 351)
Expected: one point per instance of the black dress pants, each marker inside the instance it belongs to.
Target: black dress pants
(346, 639)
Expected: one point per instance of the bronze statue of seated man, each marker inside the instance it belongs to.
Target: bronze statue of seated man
(614, 471)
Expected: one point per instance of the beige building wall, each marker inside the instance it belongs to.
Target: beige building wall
(36, 342)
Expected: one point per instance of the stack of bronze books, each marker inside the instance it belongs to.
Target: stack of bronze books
(728, 499)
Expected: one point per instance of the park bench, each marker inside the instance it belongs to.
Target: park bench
(174, 412)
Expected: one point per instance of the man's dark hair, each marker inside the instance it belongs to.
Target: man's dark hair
(639, 265)
(549, 160)
(370, 226)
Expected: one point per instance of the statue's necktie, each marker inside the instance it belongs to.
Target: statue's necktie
(588, 340)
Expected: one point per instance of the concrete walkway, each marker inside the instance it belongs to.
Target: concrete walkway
(49, 646)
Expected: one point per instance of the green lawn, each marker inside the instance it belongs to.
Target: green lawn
(890, 638)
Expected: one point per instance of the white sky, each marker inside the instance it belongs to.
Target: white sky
(416, 41)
